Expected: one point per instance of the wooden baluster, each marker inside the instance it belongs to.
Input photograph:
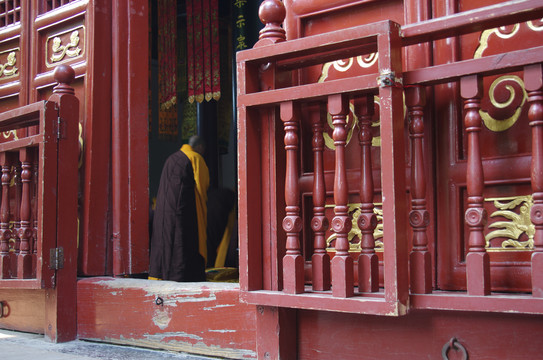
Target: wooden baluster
(342, 263)
(477, 259)
(368, 262)
(533, 81)
(5, 232)
(320, 260)
(293, 262)
(35, 214)
(419, 218)
(16, 215)
(24, 261)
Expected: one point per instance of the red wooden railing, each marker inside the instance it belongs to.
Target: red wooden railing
(272, 269)
(38, 207)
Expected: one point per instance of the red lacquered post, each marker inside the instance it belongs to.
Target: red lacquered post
(320, 260)
(24, 260)
(5, 232)
(368, 263)
(533, 81)
(293, 262)
(342, 263)
(419, 218)
(16, 178)
(477, 259)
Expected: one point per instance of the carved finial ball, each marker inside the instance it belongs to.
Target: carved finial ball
(64, 74)
(272, 11)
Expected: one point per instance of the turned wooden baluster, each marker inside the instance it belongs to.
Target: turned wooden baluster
(5, 232)
(24, 261)
(342, 263)
(293, 263)
(35, 215)
(320, 260)
(533, 81)
(368, 263)
(419, 218)
(477, 259)
(16, 178)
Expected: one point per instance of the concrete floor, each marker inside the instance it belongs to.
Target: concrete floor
(24, 346)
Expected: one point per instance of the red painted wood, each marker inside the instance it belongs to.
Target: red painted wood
(5, 233)
(95, 216)
(197, 318)
(533, 80)
(419, 217)
(293, 263)
(420, 335)
(395, 227)
(342, 263)
(130, 200)
(320, 260)
(24, 260)
(471, 21)
(368, 262)
(477, 260)
(60, 314)
(277, 333)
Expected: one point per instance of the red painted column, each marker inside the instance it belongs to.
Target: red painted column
(477, 259)
(320, 260)
(24, 260)
(419, 218)
(342, 263)
(293, 263)
(533, 81)
(368, 263)
(5, 232)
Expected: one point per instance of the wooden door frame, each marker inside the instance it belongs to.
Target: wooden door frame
(130, 150)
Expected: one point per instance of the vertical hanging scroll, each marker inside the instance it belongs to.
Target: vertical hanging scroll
(203, 51)
(167, 78)
(215, 52)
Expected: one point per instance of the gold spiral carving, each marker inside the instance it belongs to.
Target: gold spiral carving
(498, 125)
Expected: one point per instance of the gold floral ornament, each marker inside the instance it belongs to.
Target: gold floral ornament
(70, 50)
(516, 223)
(355, 233)
(9, 69)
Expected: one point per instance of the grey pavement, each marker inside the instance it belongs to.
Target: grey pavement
(16, 345)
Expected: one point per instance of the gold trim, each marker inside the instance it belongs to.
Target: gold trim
(7, 134)
(485, 35)
(534, 27)
(8, 69)
(60, 51)
(498, 125)
(517, 223)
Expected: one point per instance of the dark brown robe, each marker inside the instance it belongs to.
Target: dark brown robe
(174, 243)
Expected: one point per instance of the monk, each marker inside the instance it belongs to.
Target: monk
(195, 150)
(174, 242)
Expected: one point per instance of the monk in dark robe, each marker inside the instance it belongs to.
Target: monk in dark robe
(174, 241)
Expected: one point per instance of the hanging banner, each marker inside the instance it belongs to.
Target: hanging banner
(167, 69)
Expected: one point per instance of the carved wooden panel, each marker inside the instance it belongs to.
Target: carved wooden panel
(505, 141)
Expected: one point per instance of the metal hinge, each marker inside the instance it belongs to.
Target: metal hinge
(56, 258)
(60, 129)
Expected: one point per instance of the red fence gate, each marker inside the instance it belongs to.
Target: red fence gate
(38, 211)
